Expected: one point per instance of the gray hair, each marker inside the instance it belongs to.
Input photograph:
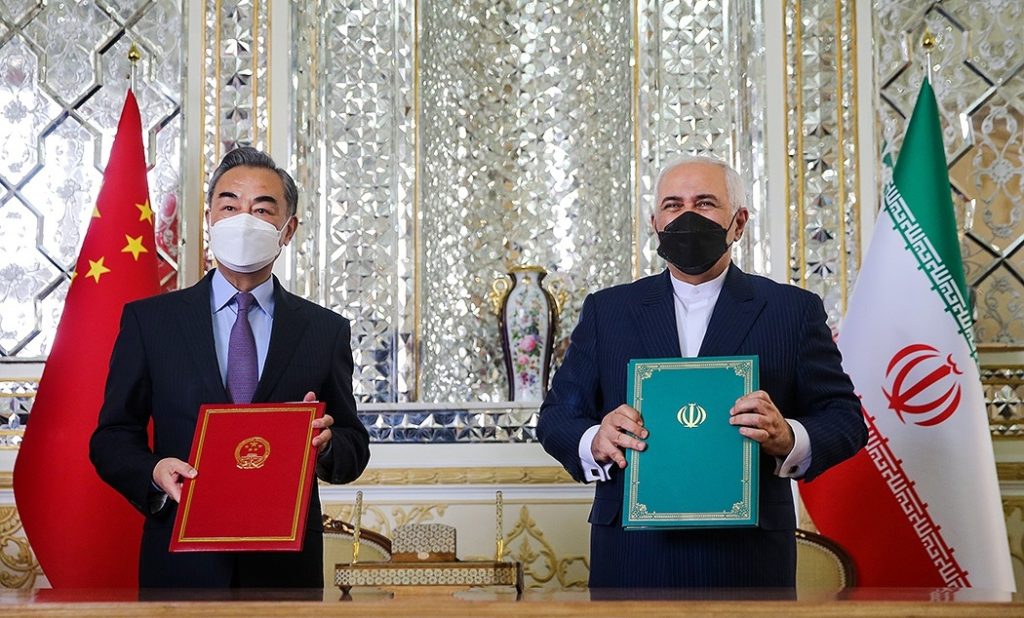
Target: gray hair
(247, 156)
(735, 190)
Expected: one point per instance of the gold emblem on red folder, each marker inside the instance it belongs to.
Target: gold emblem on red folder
(252, 453)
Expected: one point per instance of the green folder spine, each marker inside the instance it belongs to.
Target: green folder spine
(697, 470)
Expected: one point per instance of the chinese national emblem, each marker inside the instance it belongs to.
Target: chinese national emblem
(252, 453)
(691, 415)
(922, 384)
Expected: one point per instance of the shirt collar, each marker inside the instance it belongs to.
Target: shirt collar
(223, 292)
(688, 293)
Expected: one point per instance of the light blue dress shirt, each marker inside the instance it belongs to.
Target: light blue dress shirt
(224, 309)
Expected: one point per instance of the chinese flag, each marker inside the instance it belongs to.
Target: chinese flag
(84, 534)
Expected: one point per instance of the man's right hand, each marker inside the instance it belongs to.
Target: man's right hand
(611, 437)
(170, 473)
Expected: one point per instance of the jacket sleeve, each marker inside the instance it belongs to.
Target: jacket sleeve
(119, 448)
(572, 404)
(350, 442)
(831, 411)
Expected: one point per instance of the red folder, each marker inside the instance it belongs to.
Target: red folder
(255, 471)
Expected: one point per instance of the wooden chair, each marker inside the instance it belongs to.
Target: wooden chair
(822, 566)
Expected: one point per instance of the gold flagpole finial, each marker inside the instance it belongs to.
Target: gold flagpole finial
(134, 55)
(929, 42)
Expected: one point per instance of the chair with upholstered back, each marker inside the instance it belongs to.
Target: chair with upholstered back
(338, 537)
(822, 566)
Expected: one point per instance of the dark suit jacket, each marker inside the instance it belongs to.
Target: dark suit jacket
(799, 368)
(164, 367)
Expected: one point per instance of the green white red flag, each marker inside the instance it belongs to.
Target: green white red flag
(920, 505)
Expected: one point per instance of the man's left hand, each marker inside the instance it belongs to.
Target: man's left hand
(323, 423)
(759, 420)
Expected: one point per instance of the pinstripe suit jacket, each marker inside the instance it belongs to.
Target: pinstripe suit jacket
(164, 367)
(799, 368)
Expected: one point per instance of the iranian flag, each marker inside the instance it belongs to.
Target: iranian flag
(920, 505)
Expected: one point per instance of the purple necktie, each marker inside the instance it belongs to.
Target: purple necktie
(242, 369)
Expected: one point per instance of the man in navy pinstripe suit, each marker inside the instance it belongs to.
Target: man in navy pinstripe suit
(236, 336)
(806, 417)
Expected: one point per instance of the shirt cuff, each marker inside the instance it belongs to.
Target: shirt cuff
(157, 499)
(799, 459)
(592, 471)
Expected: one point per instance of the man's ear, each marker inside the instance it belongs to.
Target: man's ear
(741, 222)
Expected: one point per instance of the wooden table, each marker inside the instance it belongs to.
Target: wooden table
(448, 603)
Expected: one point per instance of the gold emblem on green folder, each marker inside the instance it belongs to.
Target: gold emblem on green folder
(685, 405)
(691, 415)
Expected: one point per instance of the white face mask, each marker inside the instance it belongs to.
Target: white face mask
(245, 243)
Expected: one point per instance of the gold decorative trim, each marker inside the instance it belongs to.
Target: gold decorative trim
(19, 568)
(841, 147)
(635, 103)
(798, 118)
(855, 119)
(1010, 471)
(538, 475)
(417, 267)
(6, 480)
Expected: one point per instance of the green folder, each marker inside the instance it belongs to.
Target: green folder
(697, 470)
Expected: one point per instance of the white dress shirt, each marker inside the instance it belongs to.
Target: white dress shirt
(694, 305)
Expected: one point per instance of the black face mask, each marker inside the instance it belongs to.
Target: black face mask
(693, 243)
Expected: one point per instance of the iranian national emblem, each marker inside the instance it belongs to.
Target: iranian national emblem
(691, 415)
(922, 384)
(252, 453)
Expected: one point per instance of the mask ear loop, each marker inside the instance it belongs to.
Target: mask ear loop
(731, 221)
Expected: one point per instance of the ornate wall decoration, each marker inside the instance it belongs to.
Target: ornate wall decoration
(235, 85)
(18, 565)
(541, 564)
(699, 90)
(541, 475)
(355, 145)
(501, 129)
(525, 159)
(63, 70)
(978, 86)
(236, 108)
(1003, 388)
(1013, 508)
(823, 213)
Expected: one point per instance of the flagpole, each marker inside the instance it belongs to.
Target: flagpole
(928, 42)
(134, 55)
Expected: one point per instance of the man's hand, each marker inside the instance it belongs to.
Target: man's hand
(323, 423)
(759, 420)
(611, 438)
(170, 473)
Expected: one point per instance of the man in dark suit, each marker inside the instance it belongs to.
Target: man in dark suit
(805, 417)
(235, 337)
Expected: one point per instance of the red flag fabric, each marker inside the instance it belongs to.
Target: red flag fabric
(83, 533)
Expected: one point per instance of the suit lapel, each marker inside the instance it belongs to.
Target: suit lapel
(656, 318)
(196, 322)
(289, 324)
(734, 315)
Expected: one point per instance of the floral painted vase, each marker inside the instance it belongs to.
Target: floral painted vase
(528, 318)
